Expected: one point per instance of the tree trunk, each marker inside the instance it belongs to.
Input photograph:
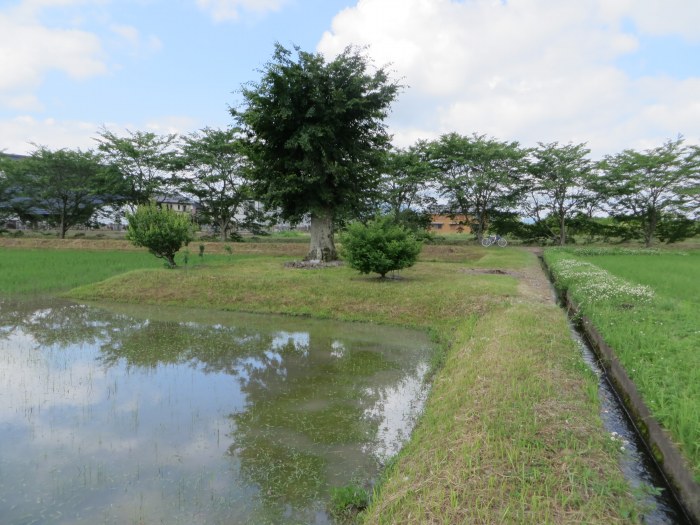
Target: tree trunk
(562, 230)
(322, 247)
(481, 226)
(225, 225)
(650, 229)
(63, 228)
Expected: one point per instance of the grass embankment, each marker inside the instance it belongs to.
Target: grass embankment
(511, 431)
(646, 304)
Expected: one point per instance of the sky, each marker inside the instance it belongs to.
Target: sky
(614, 74)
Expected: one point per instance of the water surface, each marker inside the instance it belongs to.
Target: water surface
(145, 415)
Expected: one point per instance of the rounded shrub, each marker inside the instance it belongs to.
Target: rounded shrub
(380, 246)
(161, 230)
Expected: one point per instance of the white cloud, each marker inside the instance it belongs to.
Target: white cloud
(29, 51)
(670, 17)
(18, 134)
(131, 37)
(528, 70)
(221, 10)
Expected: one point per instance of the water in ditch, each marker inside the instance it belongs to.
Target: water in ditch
(647, 481)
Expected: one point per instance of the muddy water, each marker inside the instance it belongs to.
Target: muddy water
(175, 416)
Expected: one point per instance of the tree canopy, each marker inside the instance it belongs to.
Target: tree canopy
(556, 186)
(406, 180)
(477, 175)
(143, 159)
(644, 188)
(316, 136)
(62, 187)
(380, 246)
(161, 230)
(216, 174)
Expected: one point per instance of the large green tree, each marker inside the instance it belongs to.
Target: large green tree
(143, 159)
(215, 171)
(61, 187)
(316, 137)
(476, 174)
(556, 188)
(647, 187)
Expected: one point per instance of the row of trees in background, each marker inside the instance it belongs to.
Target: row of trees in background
(545, 194)
(310, 141)
(65, 188)
(536, 194)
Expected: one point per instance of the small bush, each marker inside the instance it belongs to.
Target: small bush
(380, 246)
(162, 231)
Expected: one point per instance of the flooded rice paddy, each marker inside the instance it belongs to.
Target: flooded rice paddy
(142, 415)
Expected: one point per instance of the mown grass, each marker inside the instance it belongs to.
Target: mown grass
(432, 295)
(656, 339)
(511, 431)
(508, 434)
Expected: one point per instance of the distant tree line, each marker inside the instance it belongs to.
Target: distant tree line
(309, 141)
(542, 194)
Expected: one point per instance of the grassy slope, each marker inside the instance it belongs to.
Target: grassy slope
(511, 431)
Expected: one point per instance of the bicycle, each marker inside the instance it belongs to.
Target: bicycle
(494, 239)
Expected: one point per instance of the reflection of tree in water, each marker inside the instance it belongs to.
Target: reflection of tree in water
(306, 401)
(213, 349)
(306, 421)
(304, 418)
(55, 322)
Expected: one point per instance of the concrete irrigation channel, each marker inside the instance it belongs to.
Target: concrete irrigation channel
(651, 462)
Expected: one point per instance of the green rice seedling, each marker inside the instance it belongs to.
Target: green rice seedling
(38, 271)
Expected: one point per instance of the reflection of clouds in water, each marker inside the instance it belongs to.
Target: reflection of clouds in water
(33, 381)
(298, 340)
(273, 357)
(38, 315)
(338, 349)
(67, 425)
(396, 411)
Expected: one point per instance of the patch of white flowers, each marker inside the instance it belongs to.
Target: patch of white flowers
(593, 284)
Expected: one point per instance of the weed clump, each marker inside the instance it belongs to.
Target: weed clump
(348, 501)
